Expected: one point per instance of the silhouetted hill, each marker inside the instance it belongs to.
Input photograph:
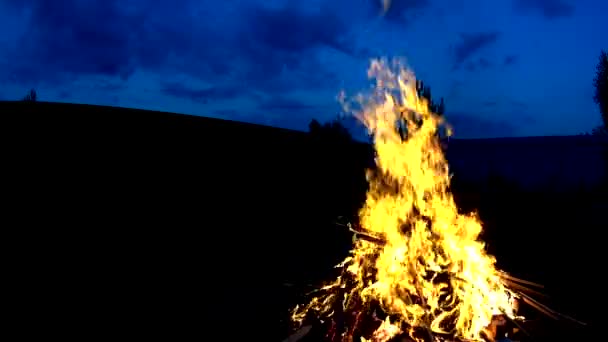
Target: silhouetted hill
(174, 212)
(557, 163)
(158, 221)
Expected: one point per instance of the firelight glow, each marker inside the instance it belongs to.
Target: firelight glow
(430, 270)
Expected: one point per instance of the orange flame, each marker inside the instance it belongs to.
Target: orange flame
(432, 270)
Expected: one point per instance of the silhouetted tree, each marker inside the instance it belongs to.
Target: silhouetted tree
(600, 82)
(441, 108)
(437, 108)
(333, 130)
(336, 131)
(31, 96)
(314, 126)
(600, 131)
(425, 92)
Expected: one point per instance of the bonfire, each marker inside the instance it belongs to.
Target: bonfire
(417, 270)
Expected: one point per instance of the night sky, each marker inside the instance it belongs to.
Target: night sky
(505, 67)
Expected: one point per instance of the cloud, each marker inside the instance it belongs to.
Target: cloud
(291, 30)
(510, 60)
(278, 46)
(549, 9)
(265, 47)
(72, 37)
(470, 44)
(478, 64)
(482, 63)
(202, 95)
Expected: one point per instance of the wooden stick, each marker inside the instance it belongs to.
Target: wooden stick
(299, 334)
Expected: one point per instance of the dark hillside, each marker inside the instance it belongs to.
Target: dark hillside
(160, 222)
(193, 215)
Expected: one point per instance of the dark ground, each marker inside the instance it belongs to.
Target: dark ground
(136, 223)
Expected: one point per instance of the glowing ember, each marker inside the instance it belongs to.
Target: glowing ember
(421, 264)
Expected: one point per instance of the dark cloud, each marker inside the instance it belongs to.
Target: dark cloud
(478, 64)
(202, 95)
(476, 126)
(73, 37)
(549, 9)
(292, 30)
(265, 48)
(278, 46)
(482, 63)
(470, 44)
(510, 60)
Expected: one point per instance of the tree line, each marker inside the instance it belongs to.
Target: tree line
(600, 96)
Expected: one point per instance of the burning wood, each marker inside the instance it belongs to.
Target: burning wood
(417, 270)
(299, 334)
(368, 236)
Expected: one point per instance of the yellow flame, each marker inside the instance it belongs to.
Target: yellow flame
(410, 208)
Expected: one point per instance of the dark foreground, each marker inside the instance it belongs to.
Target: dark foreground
(125, 223)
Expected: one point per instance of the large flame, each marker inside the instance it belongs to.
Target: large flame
(422, 261)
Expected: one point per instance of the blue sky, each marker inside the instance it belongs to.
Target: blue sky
(505, 67)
